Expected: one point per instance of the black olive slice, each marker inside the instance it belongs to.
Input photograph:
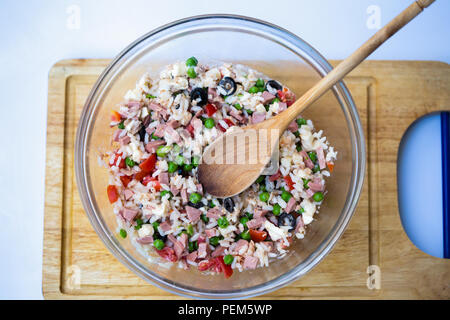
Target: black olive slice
(229, 204)
(200, 95)
(286, 219)
(272, 86)
(227, 86)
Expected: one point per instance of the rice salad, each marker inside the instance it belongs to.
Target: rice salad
(160, 131)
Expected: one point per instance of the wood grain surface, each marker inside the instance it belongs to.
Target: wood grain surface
(390, 95)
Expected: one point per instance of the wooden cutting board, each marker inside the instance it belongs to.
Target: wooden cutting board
(390, 95)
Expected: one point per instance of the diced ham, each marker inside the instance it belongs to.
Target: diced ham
(128, 194)
(250, 262)
(275, 176)
(175, 191)
(290, 205)
(199, 188)
(267, 96)
(259, 213)
(145, 240)
(184, 196)
(183, 239)
(184, 264)
(173, 124)
(203, 250)
(146, 121)
(133, 104)
(219, 251)
(274, 220)
(255, 223)
(158, 108)
(173, 134)
(178, 247)
(306, 159)
(282, 106)
(316, 185)
(185, 134)
(129, 214)
(163, 178)
(199, 113)
(197, 124)
(293, 126)
(192, 256)
(160, 128)
(300, 226)
(321, 158)
(214, 213)
(211, 232)
(150, 130)
(236, 115)
(309, 193)
(193, 214)
(201, 239)
(153, 145)
(258, 117)
(241, 247)
(116, 135)
(165, 226)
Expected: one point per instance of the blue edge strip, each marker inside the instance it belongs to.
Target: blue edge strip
(445, 134)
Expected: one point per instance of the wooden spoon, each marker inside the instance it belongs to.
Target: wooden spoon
(220, 172)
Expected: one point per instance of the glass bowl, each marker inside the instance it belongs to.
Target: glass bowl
(280, 55)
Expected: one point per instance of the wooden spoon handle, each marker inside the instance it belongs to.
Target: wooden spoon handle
(347, 65)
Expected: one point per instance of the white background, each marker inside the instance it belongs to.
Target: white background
(36, 34)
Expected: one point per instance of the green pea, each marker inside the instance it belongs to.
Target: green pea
(158, 244)
(190, 230)
(162, 151)
(312, 155)
(195, 161)
(129, 162)
(262, 187)
(254, 89)
(318, 196)
(211, 204)
(246, 235)
(267, 108)
(139, 224)
(298, 147)
(204, 218)
(244, 221)
(121, 125)
(209, 123)
(305, 183)
(264, 196)
(214, 241)
(222, 222)
(176, 149)
(149, 96)
(249, 215)
(164, 192)
(191, 73)
(275, 100)
(123, 233)
(297, 134)
(301, 121)
(188, 167)
(260, 179)
(249, 112)
(228, 259)
(191, 62)
(286, 196)
(260, 83)
(276, 209)
(192, 246)
(179, 160)
(172, 167)
(301, 211)
(195, 197)
(237, 106)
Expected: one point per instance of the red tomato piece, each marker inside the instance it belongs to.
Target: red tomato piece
(226, 269)
(148, 164)
(275, 176)
(229, 122)
(168, 254)
(257, 235)
(289, 182)
(205, 265)
(330, 166)
(113, 195)
(153, 182)
(122, 164)
(190, 129)
(125, 180)
(210, 109)
(115, 116)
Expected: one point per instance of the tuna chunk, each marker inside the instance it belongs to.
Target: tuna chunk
(250, 263)
(193, 214)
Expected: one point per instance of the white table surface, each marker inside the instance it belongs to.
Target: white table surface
(35, 34)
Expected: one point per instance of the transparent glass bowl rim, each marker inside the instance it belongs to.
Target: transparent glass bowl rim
(210, 23)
